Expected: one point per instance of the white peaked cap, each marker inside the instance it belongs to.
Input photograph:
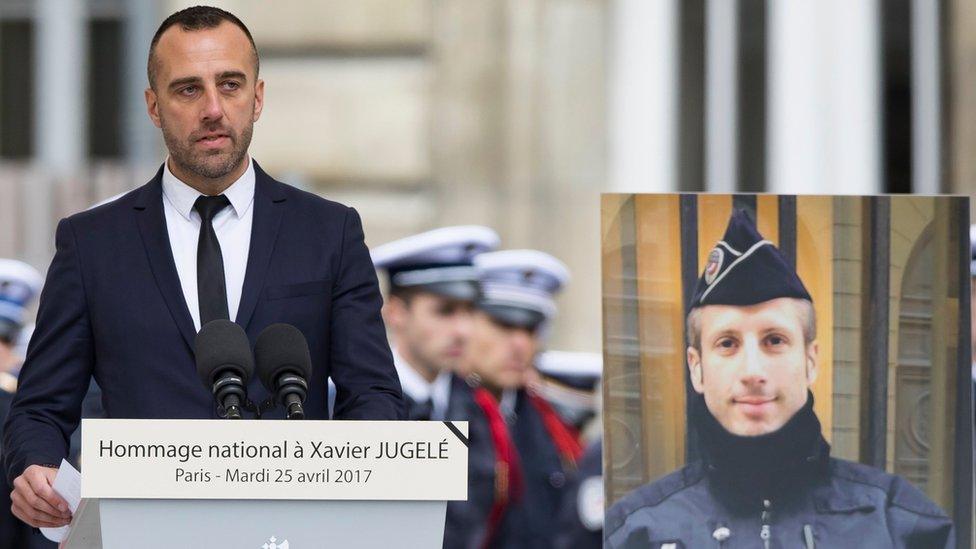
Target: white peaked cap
(19, 284)
(440, 260)
(519, 286)
(570, 364)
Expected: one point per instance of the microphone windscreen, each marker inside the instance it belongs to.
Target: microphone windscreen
(281, 348)
(222, 345)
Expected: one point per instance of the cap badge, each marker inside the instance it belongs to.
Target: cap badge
(714, 265)
(721, 534)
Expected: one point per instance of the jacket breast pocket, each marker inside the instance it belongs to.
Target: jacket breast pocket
(301, 289)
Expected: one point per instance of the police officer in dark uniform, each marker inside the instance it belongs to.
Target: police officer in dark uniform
(570, 381)
(766, 478)
(428, 311)
(540, 453)
(432, 289)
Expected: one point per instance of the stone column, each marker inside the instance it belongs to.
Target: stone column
(824, 118)
(61, 108)
(643, 96)
(143, 147)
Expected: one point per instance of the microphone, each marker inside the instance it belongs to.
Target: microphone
(224, 363)
(284, 366)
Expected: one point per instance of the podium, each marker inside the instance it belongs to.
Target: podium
(133, 494)
(164, 524)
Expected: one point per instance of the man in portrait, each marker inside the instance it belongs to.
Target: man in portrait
(766, 477)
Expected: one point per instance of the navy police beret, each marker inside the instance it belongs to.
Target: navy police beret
(744, 269)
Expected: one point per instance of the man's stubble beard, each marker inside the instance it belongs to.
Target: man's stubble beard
(183, 154)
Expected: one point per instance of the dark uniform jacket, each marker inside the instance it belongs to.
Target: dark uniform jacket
(529, 522)
(780, 490)
(546, 477)
(854, 506)
(466, 522)
(571, 532)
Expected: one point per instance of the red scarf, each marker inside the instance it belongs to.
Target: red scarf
(508, 470)
(563, 436)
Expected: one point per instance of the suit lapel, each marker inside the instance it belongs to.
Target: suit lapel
(155, 238)
(268, 209)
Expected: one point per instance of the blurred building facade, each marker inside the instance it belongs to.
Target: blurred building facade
(511, 113)
(792, 96)
(418, 113)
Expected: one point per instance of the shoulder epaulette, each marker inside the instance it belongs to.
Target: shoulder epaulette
(898, 491)
(653, 494)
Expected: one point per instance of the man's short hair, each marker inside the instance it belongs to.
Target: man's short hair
(192, 19)
(405, 293)
(808, 323)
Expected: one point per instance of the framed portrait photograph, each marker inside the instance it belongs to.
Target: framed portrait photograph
(787, 371)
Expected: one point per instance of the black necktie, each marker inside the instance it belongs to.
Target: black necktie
(420, 411)
(211, 288)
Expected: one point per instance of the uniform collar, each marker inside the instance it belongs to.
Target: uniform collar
(508, 403)
(441, 394)
(778, 462)
(182, 196)
(419, 389)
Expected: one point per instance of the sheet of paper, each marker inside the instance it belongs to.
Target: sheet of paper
(67, 484)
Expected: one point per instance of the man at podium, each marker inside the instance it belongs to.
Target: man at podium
(211, 236)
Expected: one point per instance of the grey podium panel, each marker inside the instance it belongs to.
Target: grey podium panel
(212, 524)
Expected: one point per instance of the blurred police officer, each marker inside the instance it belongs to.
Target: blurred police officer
(514, 312)
(570, 381)
(432, 290)
(766, 478)
(580, 521)
(19, 284)
(428, 311)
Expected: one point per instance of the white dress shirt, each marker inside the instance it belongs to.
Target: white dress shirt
(419, 389)
(232, 226)
(507, 405)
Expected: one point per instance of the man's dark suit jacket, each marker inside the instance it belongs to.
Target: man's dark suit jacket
(113, 308)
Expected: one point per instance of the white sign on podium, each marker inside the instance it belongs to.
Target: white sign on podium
(274, 459)
(275, 483)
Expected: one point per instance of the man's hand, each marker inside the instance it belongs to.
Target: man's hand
(35, 501)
